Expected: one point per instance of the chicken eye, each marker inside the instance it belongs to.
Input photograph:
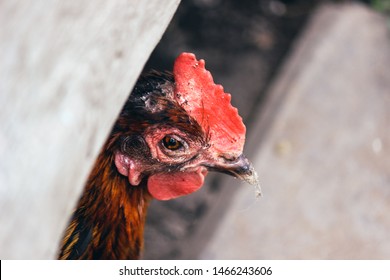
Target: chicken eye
(171, 143)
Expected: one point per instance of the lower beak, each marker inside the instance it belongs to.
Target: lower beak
(240, 168)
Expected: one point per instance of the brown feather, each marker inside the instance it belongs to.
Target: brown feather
(112, 211)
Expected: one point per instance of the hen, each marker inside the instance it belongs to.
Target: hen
(172, 130)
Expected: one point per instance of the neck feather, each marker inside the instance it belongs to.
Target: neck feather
(110, 217)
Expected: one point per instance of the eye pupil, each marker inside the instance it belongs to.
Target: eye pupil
(171, 143)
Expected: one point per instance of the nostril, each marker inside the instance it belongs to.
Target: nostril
(229, 157)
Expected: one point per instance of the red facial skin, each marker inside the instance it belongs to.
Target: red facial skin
(169, 185)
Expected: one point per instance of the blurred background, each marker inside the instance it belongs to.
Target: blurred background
(311, 80)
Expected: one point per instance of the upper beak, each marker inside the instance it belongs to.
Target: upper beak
(240, 168)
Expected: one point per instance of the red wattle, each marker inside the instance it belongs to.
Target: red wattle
(165, 186)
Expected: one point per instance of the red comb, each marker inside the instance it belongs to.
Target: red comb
(208, 104)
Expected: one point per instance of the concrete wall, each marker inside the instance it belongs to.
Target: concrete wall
(66, 68)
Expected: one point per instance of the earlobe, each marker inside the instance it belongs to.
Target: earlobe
(128, 167)
(122, 163)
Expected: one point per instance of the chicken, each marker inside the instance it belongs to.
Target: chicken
(173, 129)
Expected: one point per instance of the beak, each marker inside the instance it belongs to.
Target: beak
(240, 168)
